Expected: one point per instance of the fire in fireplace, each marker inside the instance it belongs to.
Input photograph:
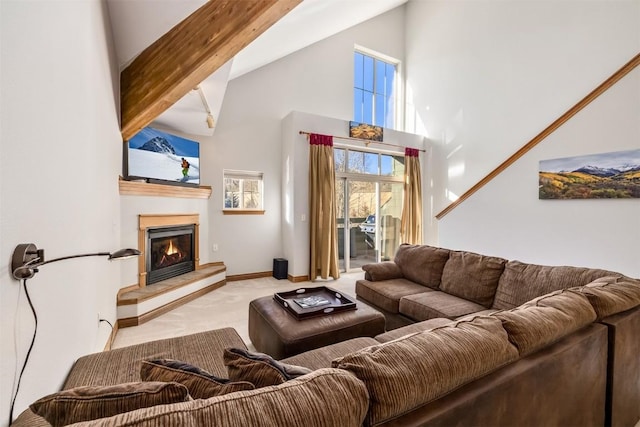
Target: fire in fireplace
(170, 252)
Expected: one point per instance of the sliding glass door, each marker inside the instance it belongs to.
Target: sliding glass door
(369, 196)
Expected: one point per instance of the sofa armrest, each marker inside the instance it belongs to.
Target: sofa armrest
(382, 271)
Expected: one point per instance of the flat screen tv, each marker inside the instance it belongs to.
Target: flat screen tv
(159, 157)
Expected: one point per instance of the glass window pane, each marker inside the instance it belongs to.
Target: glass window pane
(380, 78)
(371, 163)
(356, 162)
(380, 106)
(231, 184)
(251, 201)
(392, 165)
(358, 69)
(390, 79)
(367, 110)
(362, 162)
(231, 199)
(339, 159)
(390, 116)
(368, 73)
(357, 105)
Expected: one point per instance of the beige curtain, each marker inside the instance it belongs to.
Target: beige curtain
(411, 222)
(322, 208)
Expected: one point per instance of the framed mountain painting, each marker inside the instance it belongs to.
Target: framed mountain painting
(614, 175)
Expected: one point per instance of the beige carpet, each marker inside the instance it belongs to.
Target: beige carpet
(227, 306)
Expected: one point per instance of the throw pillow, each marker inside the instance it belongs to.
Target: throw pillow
(201, 384)
(258, 368)
(93, 402)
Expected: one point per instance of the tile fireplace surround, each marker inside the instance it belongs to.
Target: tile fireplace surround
(139, 303)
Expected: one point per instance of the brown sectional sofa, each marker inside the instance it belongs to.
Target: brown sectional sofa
(568, 357)
(426, 282)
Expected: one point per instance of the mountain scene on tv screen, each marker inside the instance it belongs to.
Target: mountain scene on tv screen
(157, 155)
(613, 175)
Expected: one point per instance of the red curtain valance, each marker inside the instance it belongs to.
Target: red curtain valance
(411, 152)
(315, 139)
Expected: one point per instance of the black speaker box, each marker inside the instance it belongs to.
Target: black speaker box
(280, 268)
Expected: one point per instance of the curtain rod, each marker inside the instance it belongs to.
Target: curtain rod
(365, 141)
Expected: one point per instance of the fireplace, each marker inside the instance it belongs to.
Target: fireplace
(170, 252)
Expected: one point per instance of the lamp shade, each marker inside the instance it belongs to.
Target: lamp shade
(124, 254)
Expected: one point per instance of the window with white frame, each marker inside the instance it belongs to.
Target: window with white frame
(243, 190)
(374, 89)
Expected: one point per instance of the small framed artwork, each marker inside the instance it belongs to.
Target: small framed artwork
(365, 131)
(614, 175)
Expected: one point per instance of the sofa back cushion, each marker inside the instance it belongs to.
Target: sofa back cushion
(324, 398)
(406, 373)
(472, 276)
(612, 294)
(422, 264)
(521, 282)
(546, 319)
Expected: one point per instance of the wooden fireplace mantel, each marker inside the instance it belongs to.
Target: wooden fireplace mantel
(137, 188)
(146, 221)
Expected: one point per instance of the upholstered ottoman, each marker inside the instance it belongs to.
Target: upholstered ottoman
(278, 333)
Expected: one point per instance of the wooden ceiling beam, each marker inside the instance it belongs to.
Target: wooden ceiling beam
(189, 53)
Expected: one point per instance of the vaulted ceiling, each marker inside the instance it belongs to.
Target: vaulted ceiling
(165, 50)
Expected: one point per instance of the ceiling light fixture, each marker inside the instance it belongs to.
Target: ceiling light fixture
(203, 98)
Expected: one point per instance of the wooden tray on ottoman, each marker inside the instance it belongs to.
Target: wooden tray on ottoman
(311, 302)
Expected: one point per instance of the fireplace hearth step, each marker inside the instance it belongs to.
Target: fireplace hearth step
(140, 305)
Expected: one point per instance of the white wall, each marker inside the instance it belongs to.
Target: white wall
(61, 157)
(485, 77)
(248, 136)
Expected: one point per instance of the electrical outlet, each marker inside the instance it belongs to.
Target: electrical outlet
(303, 217)
(215, 247)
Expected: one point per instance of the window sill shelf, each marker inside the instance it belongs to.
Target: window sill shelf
(242, 212)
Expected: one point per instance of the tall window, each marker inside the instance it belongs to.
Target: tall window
(374, 90)
(242, 190)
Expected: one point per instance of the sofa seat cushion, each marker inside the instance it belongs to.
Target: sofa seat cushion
(546, 319)
(338, 396)
(522, 282)
(612, 294)
(387, 293)
(412, 329)
(93, 402)
(321, 357)
(472, 276)
(436, 304)
(422, 264)
(203, 349)
(406, 373)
